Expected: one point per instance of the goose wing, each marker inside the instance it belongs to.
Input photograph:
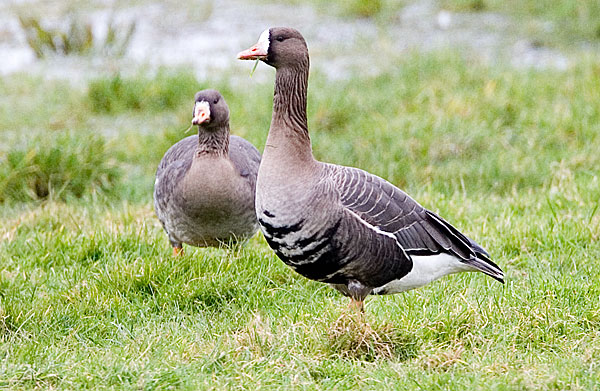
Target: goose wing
(182, 151)
(245, 158)
(418, 231)
(391, 211)
(171, 170)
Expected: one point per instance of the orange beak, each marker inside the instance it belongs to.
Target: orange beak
(201, 113)
(254, 53)
(260, 51)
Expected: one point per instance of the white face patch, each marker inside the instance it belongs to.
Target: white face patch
(263, 41)
(201, 112)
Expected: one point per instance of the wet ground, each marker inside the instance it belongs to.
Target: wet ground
(205, 35)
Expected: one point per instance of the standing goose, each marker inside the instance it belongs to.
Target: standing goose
(205, 184)
(342, 225)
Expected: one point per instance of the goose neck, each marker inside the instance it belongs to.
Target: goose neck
(289, 125)
(213, 141)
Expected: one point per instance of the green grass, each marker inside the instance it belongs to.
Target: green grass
(550, 22)
(58, 166)
(165, 91)
(90, 296)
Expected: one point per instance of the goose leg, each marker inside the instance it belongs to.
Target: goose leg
(358, 292)
(177, 251)
(357, 305)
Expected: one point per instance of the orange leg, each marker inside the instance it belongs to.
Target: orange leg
(357, 306)
(177, 251)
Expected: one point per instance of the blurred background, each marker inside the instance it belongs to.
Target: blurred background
(121, 75)
(202, 35)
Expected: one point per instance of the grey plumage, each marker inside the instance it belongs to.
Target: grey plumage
(205, 184)
(342, 225)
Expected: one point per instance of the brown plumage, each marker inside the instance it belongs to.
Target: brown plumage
(205, 184)
(342, 225)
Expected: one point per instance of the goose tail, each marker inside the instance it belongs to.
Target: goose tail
(484, 264)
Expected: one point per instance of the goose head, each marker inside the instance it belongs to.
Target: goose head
(210, 109)
(278, 47)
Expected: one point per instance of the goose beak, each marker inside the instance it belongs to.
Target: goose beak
(256, 52)
(201, 113)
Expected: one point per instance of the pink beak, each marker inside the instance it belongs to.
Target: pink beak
(201, 114)
(254, 53)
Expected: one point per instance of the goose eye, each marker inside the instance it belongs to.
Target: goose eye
(216, 100)
(280, 38)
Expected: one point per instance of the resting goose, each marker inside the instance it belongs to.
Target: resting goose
(205, 184)
(342, 225)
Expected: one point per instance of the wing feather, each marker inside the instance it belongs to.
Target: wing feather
(392, 211)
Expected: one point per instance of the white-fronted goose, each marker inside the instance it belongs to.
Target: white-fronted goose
(341, 225)
(205, 184)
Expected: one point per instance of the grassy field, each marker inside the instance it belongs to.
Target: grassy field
(91, 298)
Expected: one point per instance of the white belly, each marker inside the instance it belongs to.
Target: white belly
(426, 268)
